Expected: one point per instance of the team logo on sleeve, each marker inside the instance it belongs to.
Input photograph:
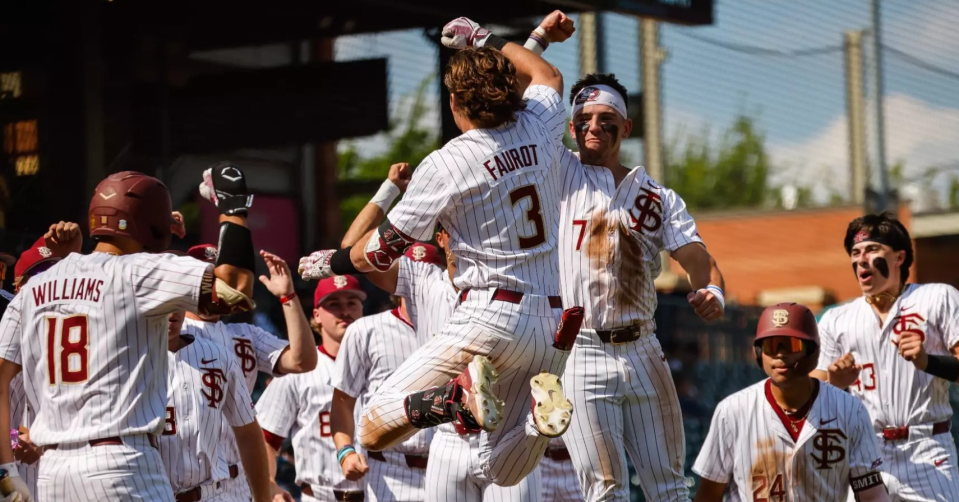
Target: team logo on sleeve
(213, 379)
(831, 447)
(243, 349)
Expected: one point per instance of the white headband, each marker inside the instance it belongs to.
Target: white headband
(599, 95)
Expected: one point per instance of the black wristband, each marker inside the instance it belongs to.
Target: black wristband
(496, 42)
(341, 263)
(235, 247)
(945, 367)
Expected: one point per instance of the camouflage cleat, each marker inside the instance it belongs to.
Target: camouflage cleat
(552, 412)
(477, 382)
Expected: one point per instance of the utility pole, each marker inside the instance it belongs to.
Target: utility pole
(652, 55)
(856, 118)
(883, 201)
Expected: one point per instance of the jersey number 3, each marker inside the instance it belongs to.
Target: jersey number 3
(67, 349)
(534, 214)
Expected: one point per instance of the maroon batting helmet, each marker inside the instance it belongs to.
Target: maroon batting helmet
(134, 205)
(791, 320)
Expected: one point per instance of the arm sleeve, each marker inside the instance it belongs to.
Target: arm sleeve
(829, 349)
(353, 361)
(278, 406)
(426, 197)
(164, 283)
(544, 103)
(679, 228)
(238, 407)
(267, 346)
(10, 332)
(865, 458)
(715, 460)
(949, 320)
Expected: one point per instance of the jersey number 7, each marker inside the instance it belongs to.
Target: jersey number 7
(67, 349)
(534, 214)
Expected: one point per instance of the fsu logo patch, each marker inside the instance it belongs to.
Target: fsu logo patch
(339, 281)
(419, 252)
(780, 317)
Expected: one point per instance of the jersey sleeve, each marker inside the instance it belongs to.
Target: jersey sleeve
(865, 458)
(267, 346)
(412, 284)
(351, 371)
(164, 283)
(715, 460)
(427, 195)
(679, 228)
(10, 332)
(949, 317)
(238, 406)
(278, 406)
(829, 349)
(544, 103)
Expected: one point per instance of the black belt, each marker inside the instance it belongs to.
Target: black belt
(505, 295)
(110, 441)
(195, 494)
(620, 336)
(340, 495)
(412, 461)
(558, 454)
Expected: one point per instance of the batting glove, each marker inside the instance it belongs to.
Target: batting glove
(224, 184)
(462, 32)
(316, 266)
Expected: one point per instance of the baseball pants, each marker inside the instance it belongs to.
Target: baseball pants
(910, 472)
(238, 488)
(79, 472)
(518, 339)
(560, 483)
(624, 396)
(393, 480)
(29, 474)
(449, 475)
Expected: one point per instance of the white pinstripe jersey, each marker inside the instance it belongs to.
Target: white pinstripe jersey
(298, 406)
(893, 390)
(429, 294)
(373, 347)
(495, 191)
(750, 449)
(207, 393)
(610, 240)
(92, 332)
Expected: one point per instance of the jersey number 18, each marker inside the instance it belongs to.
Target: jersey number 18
(67, 349)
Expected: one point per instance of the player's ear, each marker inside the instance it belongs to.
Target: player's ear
(900, 258)
(627, 128)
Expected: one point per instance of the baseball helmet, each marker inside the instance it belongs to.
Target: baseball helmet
(790, 320)
(134, 205)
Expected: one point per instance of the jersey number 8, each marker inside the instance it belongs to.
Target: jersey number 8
(67, 349)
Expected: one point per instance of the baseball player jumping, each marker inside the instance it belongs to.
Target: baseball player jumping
(299, 406)
(208, 392)
(494, 190)
(789, 437)
(896, 348)
(92, 331)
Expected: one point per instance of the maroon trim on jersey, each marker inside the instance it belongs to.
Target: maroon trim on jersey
(787, 422)
(323, 351)
(399, 315)
(275, 441)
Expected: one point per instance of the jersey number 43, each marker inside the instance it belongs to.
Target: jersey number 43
(67, 349)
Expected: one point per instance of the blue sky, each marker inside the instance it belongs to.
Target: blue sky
(800, 101)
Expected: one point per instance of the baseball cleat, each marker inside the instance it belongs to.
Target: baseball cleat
(477, 382)
(552, 412)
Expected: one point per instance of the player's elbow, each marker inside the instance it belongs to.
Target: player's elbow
(292, 362)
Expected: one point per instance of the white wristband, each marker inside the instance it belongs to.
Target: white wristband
(385, 196)
(11, 469)
(718, 293)
(538, 41)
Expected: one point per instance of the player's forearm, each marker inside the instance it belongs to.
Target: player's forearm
(270, 459)
(341, 418)
(531, 69)
(358, 253)
(302, 354)
(8, 370)
(255, 461)
(701, 268)
(240, 278)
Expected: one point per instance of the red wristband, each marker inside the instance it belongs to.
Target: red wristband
(286, 299)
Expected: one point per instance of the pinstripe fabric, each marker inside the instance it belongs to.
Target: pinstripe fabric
(122, 473)
(207, 393)
(894, 392)
(750, 449)
(21, 416)
(517, 339)
(624, 397)
(126, 300)
(429, 294)
(450, 477)
(394, 481)
(502, 233)
(560, 481)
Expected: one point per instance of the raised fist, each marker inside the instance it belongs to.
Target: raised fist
(400, 174)
(558, 26)
(224, 184)
(317, 265)
(844, 371)
(462, 32)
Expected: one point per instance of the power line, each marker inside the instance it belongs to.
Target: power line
(913, 60)
(756, 50)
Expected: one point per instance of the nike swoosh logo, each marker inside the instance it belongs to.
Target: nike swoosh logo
(940, 462)
(207, 361)
(904, 308)
(824, 422)
(107, 197)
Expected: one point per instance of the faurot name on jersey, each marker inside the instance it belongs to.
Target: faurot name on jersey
(511, 159)
(67, 289)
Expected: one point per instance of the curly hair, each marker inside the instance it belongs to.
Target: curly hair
(887, 226)
(592, 79)
(483, 84)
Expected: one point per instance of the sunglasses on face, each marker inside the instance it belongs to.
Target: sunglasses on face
(783, 345)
